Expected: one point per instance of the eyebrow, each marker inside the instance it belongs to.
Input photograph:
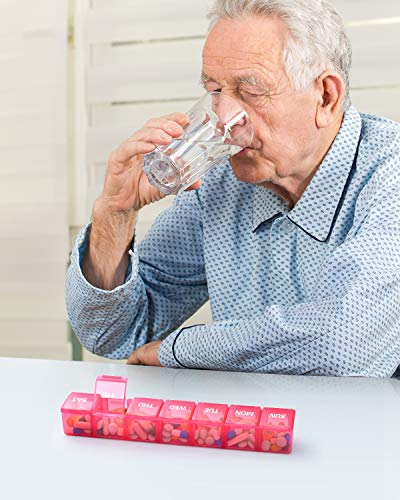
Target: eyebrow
(249, 79)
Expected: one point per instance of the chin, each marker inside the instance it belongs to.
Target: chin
(247, 170)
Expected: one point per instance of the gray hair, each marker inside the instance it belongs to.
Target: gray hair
(317, 40)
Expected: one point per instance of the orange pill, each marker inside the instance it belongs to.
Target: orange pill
(70, 421)
(274, 447)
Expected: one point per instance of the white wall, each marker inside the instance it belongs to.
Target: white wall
(33, 178)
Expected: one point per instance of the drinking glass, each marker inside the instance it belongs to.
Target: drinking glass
(218, 128)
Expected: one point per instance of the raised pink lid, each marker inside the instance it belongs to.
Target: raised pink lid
(110, 394)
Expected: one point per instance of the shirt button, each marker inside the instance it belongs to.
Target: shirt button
(287, 226)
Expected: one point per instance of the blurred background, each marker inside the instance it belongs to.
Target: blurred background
(77, 77)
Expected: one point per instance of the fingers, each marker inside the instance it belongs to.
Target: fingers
(128, 149)
(157, 131)
(133, 359)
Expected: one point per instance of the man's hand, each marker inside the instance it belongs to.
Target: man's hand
(146, 355)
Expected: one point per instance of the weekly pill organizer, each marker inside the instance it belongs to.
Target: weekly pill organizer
(108, 414)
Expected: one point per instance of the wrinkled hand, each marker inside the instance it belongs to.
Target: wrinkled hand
(146, 355)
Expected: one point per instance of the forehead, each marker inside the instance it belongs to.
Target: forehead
(253, 42)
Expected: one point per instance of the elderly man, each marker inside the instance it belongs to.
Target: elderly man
(295, 241)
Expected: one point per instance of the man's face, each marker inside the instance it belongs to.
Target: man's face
(243, 58)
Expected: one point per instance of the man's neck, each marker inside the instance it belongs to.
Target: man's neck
(292, 188)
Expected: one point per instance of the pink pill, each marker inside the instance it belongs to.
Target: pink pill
(134, 436)
(252, 438)
(105, 426)
(196, 434)
(251, 444)
(151, 437)
(238, 431)
(238, 439)
(176, 433)
(215, 434)
(203, 434)
(166, 439)
(146, 426)
(281, 442)
(210, 441)
(200, 442)
(139, 431)
(168, 427)
(242, 444)
(166, 434)
(82, 425)
(113, 428)
(99, 425)
(266, 446)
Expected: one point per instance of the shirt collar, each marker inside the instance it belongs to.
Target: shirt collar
(316, 211)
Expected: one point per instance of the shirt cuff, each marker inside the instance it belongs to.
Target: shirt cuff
(80, 282)
(168, 353)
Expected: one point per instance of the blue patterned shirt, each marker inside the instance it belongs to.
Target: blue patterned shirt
(312, 290)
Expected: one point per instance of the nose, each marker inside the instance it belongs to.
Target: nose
(233, 121)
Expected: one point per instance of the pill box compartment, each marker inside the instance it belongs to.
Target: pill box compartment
(76, 414)
(109, 407)
(241, 430)
(141, 419)
(173, 426)
(206, 425)
(276, 428)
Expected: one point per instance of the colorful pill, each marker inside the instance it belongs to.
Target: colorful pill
(168, 427)
(105, 426)
(210, 441)
(203, 433)
(146, 426)
(281, 442)
(70, 421)
(184, 435)
(242, 444)
(238, 439)
(231, 434)
(266, 446)
(77, 431)
(215, 434)
(218, 442)
(83, 425)
(139, 431)
(113, 429)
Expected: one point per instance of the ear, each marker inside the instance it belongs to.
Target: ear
(331, 91)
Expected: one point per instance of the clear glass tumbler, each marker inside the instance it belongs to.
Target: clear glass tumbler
(218, 128)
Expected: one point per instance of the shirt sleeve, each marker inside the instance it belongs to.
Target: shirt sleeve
(165, 285)
(349, 327)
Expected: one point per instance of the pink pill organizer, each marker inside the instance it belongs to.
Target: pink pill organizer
(108, 414)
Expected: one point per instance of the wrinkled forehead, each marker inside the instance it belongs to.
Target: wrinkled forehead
(254, 41)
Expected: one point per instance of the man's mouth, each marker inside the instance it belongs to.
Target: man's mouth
(244, 152)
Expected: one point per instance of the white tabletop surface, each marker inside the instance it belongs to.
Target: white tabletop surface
(346, 438)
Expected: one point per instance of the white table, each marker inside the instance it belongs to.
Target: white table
(346, 438)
